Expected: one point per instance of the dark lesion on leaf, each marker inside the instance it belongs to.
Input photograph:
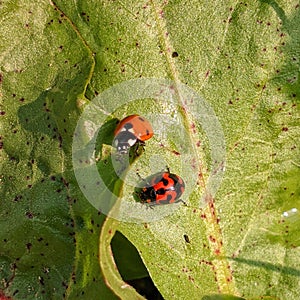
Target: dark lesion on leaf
(175, 54)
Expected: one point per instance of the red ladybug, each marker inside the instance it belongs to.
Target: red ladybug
(131, 130)
(162, 188)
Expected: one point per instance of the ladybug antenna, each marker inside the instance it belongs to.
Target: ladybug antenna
(139, 176)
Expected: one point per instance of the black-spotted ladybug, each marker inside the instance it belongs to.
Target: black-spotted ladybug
(131, 130)
(161, 188)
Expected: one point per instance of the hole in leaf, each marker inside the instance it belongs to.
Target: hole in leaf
(131, 267)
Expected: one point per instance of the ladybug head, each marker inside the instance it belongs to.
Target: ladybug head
(123, 141)
(146, 194)
(122, 148)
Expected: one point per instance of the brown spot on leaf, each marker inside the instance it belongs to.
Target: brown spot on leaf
(29, 214)
(28, 246)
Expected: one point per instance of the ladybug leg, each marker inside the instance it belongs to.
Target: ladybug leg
(151, 206)
(164, 170)
(140, 177)
(180, 200)
(142, 143)
(145, 203)
(138, 148)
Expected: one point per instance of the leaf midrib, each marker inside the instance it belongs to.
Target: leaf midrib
(222, 267)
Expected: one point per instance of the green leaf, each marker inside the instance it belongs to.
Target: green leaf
(49, 232)
(242, 58)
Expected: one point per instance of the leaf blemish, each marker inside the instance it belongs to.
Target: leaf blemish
(29, 214)
(175, 54)
(186, 238)
(17, 198)
(28, 246)
(41, 280)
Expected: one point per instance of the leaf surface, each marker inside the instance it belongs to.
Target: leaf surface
(242, 58)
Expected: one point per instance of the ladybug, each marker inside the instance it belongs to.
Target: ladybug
(161, 188)
(130, 131)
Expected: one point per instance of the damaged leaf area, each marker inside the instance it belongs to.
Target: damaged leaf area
(241, 58)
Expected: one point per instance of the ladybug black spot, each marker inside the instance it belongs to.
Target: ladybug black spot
(128, 126)
(161, 191)
(174, 54)
(165, 181)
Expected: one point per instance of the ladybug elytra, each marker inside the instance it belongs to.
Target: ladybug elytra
(162, 188)
(131, 130)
